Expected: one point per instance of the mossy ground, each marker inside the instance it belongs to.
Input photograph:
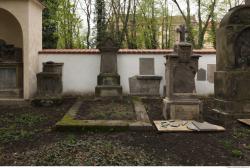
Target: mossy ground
(27, 138)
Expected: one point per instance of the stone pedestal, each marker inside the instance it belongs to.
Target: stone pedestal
(232, 79)
(184, 109)
(181, 102)
(49, 85)
(145, 85)
(109, 80)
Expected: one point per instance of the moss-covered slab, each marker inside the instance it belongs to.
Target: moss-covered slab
(70, 121)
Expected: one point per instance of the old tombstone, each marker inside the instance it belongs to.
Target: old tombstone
(211, 68)
(181, 67)
(232, 79)
(147, 66)
(202, 75)
(146, 83)
(109, 79)
(11, 71)
(49, 85)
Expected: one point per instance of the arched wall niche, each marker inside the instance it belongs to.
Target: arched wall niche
(10, 29)
(21, 26)
(11, 56)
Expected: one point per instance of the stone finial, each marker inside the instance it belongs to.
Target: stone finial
(247, 2)
(108, 44)
(182, 30)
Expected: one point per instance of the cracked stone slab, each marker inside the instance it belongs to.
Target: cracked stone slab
(245, 121)
(186, 126)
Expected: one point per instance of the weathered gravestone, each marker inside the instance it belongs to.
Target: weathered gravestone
(211, 68)
(181, 68)
(147, 83)
(232, 79)
(49, 85)
(202, 75)
(109, 79)
(11, 71)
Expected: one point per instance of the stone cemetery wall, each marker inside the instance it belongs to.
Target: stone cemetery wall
(81, 68)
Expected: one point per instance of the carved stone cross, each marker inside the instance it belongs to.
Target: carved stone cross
(247, 2)
(182, 30)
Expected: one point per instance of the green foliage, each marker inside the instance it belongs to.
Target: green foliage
(237, 153)
(29, 119)
(50, 37)
(18, 127)
(227, 144)
(9, 135)
(68, 25)
(100, 20)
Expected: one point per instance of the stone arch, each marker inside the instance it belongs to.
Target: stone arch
(10, 29)
(11, 56)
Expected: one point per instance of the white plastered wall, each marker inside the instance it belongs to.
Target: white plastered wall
(80, 71)
(205, 87)
(29, 15)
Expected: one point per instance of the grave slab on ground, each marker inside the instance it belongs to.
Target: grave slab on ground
(245, 121)
(106, 114)
(186, 126)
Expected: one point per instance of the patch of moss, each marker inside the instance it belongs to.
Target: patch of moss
(237, 153)
(228, 144)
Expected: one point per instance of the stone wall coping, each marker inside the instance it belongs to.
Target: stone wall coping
(122, 51)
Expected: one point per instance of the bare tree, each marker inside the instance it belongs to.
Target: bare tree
(87, 8)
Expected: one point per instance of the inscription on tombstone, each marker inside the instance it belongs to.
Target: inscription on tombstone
(147, 66)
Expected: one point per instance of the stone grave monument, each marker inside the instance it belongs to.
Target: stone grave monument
(147, 83)
(181, 102)
(11, 71)
(49, 85)
(232, 78)
(109, 80)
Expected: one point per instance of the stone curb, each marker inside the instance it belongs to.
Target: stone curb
(141, 124)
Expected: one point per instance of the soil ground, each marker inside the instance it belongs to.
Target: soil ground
(27, 138)
(101, 109)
